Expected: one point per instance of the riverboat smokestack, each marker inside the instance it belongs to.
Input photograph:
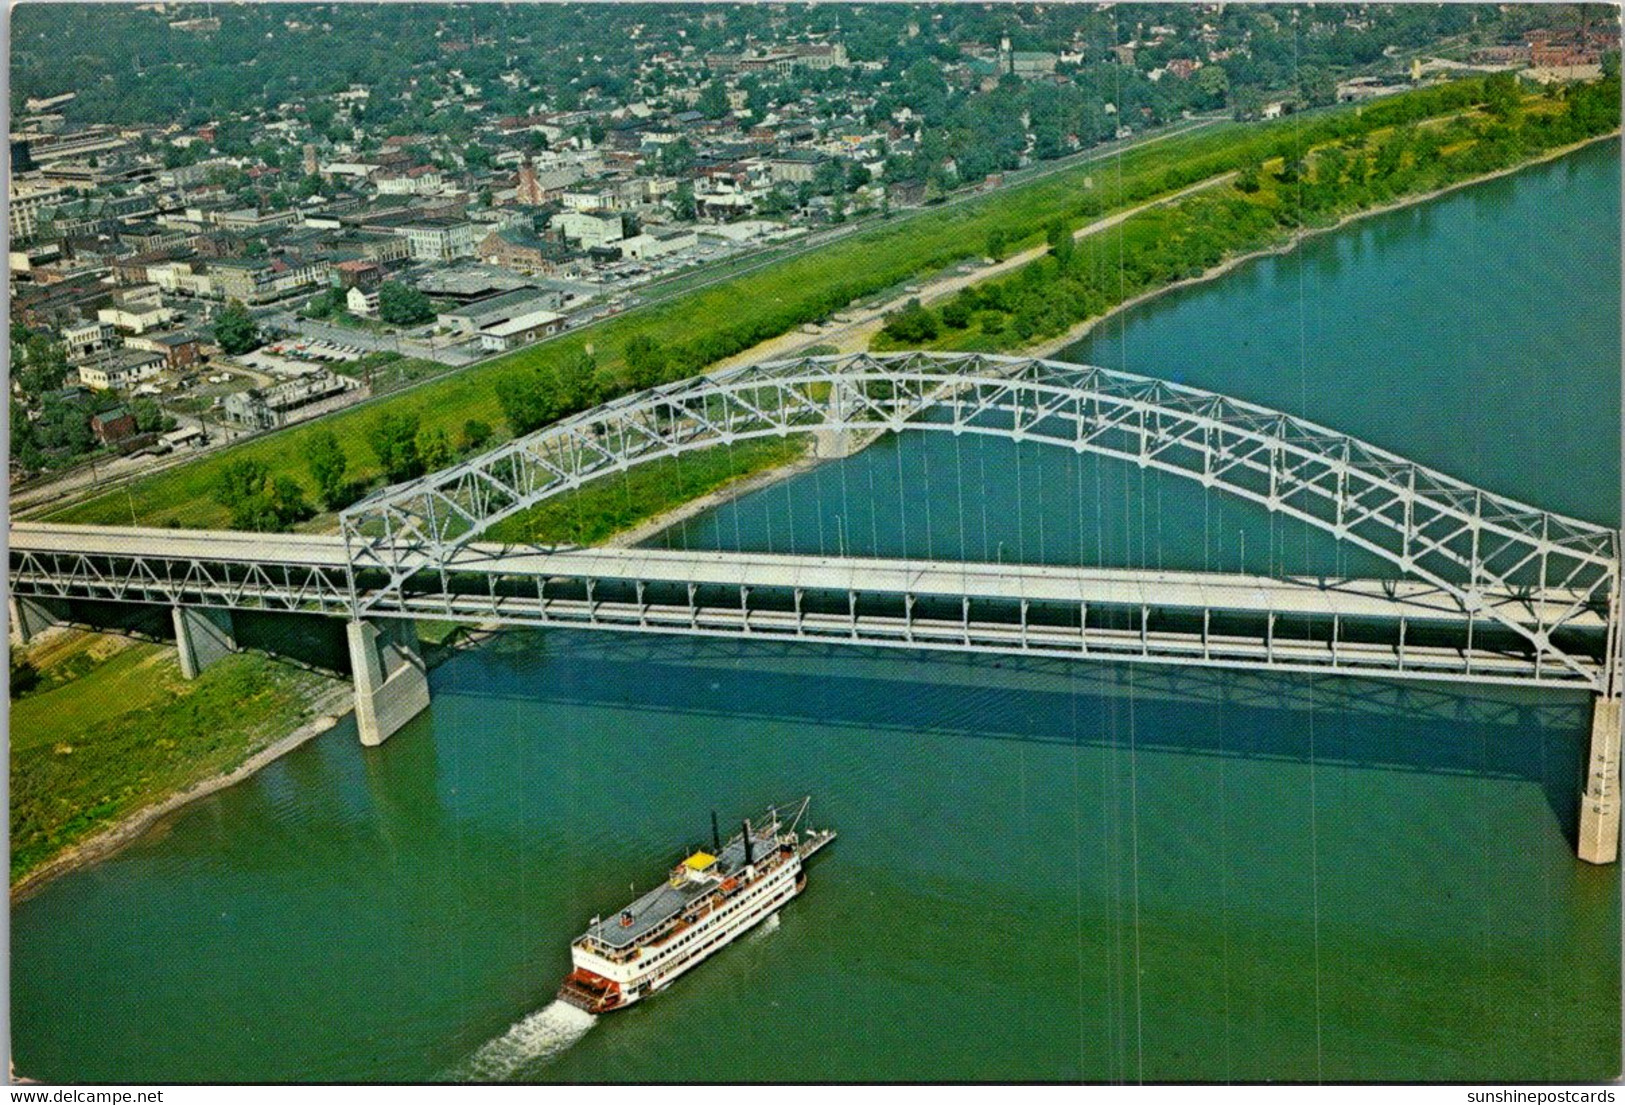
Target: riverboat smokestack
(716, 835)
(750, 855)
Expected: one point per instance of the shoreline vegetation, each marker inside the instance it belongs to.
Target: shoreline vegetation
(688, 333)
(1050, 346)
(86, 780)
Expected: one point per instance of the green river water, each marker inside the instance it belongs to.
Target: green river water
(1045, 870)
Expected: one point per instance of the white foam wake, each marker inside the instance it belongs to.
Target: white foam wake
(537, 1038)
(766, 928)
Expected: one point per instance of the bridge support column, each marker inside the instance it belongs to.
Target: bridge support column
(1599, 806)
(391, 681)
(31, 616)
(201, 638)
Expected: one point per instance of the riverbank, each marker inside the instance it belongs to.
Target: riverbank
(91, 784)
(1050, 346)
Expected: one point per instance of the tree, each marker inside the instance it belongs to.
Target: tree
(64, 426)
(235, 329)
(913, 324)
(645, 361)
(150, 417)
(25, 453)
(328, 465)
(576, 384)
(393, 440)
(996, 244)
(1061, 243)
(956, 313)
(434, 448)
(682, 202)
(1316, 86)
(256, 500)
(475, 435)
(713, 101)
(329, 303)
(24, 675)
(1214, 85)
(1501, 94)
(43, 364)
(403, 306)
(527, 400)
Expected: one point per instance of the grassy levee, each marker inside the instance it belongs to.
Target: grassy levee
(127, 732)
(701, 327)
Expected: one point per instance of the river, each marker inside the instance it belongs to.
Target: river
(1045, 870)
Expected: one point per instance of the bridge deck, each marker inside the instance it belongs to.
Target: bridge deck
(1387, 600)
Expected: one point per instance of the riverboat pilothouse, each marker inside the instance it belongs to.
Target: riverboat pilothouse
(710, 899)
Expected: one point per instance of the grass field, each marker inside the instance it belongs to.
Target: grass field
(707, 324)
(127, 732)
(612, 504)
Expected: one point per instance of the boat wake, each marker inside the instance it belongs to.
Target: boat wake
(765, 929)
(543, 1035)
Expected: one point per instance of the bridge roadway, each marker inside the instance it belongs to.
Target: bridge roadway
(1113, 613)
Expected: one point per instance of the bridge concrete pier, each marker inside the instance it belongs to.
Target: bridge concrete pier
(1600, 804)
(31, 616)
(202, 636)
(391, 679)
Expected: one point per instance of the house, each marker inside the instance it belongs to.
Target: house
(261, 279)
(294, 401)
(477, 316)
(658, 242)
(590, 228)
(135, 310)
(247, 219)
(519, 330)
(517, 248)
(111, 427)
(120, 369)
(1032, 63)
(179, 348)
(362, 301)
(85, 338)
(438, 238)
(795, 167)
(470, 282)
(30, 203)
(359, 274)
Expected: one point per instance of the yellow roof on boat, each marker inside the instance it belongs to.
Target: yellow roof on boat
(699, 861)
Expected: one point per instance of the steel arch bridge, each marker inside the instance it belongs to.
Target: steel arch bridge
(1549, 581)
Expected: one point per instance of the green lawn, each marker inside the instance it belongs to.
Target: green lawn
(130, 732)
(614, 503)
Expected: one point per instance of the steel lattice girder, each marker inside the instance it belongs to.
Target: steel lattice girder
(1486, 549)
(191, 581)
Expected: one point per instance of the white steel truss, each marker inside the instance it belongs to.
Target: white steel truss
(1509, 565)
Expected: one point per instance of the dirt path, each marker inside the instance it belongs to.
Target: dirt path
(855, 334)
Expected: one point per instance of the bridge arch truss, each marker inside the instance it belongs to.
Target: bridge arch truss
(1530, 571)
